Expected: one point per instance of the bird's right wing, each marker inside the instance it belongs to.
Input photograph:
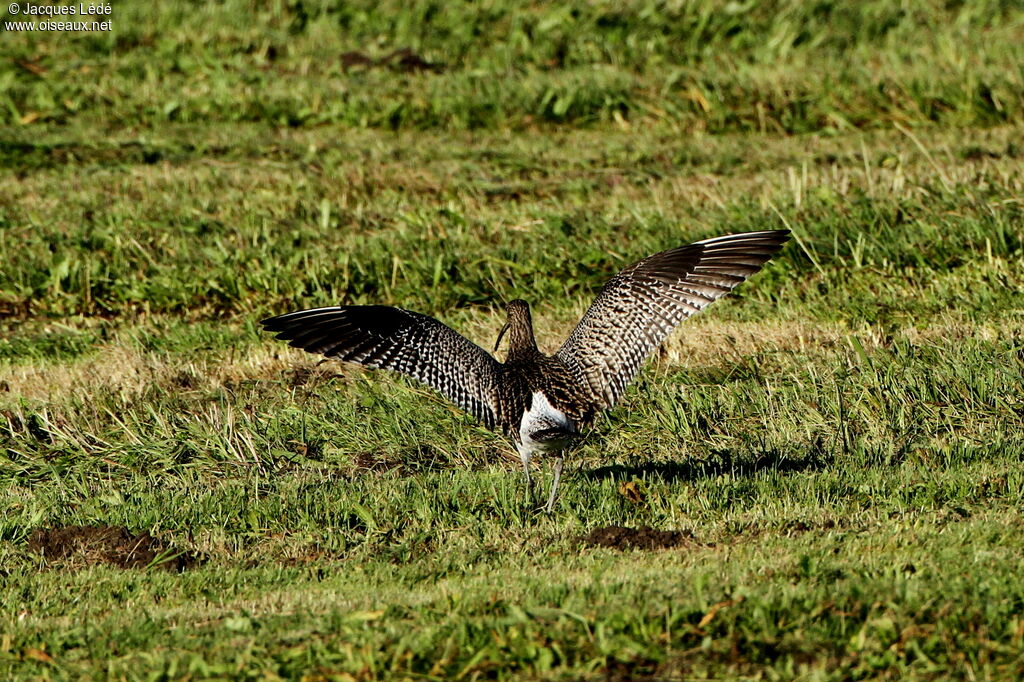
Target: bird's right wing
(638, 308)
(400, 340)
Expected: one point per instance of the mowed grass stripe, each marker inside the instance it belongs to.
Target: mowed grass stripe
(317, 237)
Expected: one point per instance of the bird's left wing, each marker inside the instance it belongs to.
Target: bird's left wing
(402, 341)
(638, 308)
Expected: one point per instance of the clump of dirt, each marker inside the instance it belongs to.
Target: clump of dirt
(644, 537)
(113, 545)
(404, 60)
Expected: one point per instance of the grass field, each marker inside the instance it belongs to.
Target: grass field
(836, 449)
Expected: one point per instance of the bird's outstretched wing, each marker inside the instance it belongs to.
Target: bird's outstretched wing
(400, 340)
(638, 308)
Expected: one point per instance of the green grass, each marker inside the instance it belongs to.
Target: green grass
(722, 66)
(842, 439)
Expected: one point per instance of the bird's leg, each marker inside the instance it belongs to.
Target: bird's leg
(525, 457)
(559, 463)
(529, 481)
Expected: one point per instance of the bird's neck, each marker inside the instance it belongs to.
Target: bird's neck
(521, 343)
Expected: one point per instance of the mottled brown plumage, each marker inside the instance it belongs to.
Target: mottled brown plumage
(541, 401)
(526, 370)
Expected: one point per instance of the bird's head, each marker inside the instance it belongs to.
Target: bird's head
(519, 324)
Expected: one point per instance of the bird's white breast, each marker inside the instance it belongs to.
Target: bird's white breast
(541, 416)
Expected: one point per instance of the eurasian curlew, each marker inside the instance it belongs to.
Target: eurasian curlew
(541, 401)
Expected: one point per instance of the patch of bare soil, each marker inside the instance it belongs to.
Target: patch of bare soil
(113, 545)
(644, 537)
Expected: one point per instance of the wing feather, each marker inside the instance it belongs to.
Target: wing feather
(402, 341)
(639, 307)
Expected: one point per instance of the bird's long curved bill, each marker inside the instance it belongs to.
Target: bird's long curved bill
(500, 335)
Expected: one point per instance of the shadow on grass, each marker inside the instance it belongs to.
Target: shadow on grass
(723, 462)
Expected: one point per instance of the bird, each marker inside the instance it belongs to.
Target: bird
(541, 402)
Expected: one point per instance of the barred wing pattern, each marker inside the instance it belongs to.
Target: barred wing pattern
(400, 340)
(638, 308)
